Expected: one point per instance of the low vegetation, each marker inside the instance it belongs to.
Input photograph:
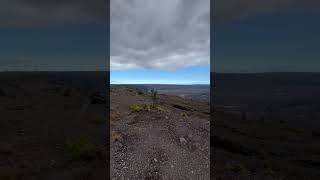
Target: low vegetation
(81, 148)
(159, 108)
(146, 107)
(232, 167)
(154, 96)
(115, 136)
(135, 108)
(154, 105)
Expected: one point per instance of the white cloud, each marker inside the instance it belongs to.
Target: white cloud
(167, 34)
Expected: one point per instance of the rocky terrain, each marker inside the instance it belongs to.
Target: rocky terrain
(52, 126)
(244, 149)
(166, 141)
(266, 126)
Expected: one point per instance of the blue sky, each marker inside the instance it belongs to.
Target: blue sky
(198, 74)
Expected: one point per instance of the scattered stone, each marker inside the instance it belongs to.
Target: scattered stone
(150, 150)
(183, 141)
(184, 114)
(180, 107)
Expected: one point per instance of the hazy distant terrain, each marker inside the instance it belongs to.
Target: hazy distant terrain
(294, 95)
(197, 92)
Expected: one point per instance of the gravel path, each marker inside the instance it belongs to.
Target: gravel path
(157, 144)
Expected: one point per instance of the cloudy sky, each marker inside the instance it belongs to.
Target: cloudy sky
(265, 36)
(166, 40)
(53, 35)
(170, 38)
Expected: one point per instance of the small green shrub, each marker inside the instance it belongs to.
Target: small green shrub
(154, 95)
(135, 108)
(234, 167)
(81, 148)
(159, 108)
(147, 107)
(152, 106)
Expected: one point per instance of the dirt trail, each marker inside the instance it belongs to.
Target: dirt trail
(166, 143)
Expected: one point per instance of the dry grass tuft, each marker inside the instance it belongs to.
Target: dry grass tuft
(115, 136)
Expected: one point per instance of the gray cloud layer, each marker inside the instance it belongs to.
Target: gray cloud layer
(166, 34)
(227, 10)
(35, 12)
(40, 12)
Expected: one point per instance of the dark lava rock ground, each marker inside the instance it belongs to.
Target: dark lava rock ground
(40, 114)
(268, 149)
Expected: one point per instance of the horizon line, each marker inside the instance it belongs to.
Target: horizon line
(110, 71)
(264, 72)
(182, 84)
